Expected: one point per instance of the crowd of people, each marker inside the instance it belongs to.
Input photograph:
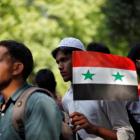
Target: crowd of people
(45, 114)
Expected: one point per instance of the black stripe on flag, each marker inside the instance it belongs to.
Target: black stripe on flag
(105, 92)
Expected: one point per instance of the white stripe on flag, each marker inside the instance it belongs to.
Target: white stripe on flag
(104, 76)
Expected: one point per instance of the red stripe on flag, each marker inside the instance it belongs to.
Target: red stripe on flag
(96, 59)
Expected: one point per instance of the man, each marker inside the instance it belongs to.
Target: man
(91, 120)
(45, 79)
(42, 119)
(134, 107)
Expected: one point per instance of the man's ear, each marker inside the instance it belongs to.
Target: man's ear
(17, 68)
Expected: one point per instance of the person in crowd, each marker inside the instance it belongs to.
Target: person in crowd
(134, 107)
(46, 79)
(90, 119)
(42, 118)
(98, 47)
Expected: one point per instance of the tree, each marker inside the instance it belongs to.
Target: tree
(40, 24)
(122, 20)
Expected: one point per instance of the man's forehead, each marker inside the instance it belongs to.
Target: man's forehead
(63, 57)
(3, 50)
(60, 54)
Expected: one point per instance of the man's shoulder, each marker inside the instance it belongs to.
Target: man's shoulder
(40, 102)
(36, 96)
(40, 96)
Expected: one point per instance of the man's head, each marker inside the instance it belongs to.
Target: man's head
(63, 54)
(98, 47)
(19, 55)
(134, 55)
(45, 79)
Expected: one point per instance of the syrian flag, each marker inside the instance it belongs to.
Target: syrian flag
(99, 76)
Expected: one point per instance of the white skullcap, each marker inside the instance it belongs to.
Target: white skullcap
(71, 42)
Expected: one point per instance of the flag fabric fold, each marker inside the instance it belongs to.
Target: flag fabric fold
(99, 76)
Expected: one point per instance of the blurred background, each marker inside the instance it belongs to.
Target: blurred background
(41, 24)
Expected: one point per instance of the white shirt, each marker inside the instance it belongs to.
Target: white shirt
(111, 115)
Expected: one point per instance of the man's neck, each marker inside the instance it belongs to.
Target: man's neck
(11, 88)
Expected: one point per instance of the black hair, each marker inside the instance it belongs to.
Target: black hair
(134, 52)
(65, 50)
(46, 79)
(19, 52)
(98, 47)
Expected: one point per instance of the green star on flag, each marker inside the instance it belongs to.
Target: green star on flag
(88, 75)
(118, 76)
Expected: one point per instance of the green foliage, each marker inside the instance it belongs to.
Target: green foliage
(40, 24)
(122, 21)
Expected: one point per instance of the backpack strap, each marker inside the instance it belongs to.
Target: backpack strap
(19, 108)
